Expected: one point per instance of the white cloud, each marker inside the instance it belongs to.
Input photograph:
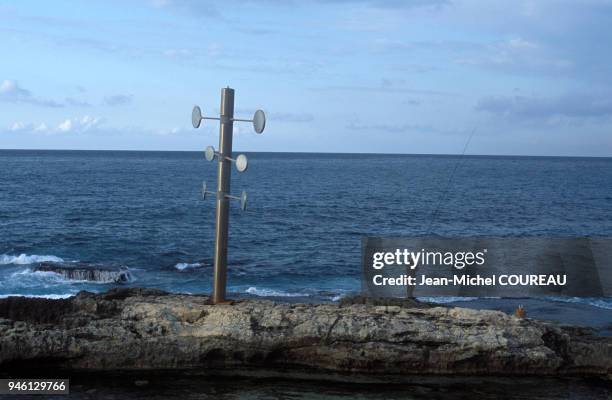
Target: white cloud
(75, 125)
(88, 122)
(10, 88)
(42, 127)
(79, 125)
(65, 126)
(11, 92)
(20, 126)
(17, 126)
(91, 125)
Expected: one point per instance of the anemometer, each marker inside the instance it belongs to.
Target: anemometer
(224, 157)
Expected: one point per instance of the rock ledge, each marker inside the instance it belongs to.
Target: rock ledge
(147, 330)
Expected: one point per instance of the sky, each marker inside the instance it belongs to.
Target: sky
(364, 76)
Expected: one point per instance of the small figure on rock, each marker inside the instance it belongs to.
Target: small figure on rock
(520, 312)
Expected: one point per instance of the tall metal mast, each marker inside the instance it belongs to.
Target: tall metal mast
(224, 157)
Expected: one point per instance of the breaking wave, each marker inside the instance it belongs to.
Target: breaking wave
(445, 299)
(324, 295)
(46, 274)
(82, 272)
(273, 293)
(605, 303)
(185, 266)
(24, 259)
(40, 296)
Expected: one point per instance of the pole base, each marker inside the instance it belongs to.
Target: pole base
(225, 302)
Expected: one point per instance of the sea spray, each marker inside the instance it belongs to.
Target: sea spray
(24, 259)
(188, 266)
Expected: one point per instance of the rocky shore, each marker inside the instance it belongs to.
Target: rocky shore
(149, 330)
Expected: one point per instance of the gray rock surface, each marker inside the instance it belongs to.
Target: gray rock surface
(144, 329)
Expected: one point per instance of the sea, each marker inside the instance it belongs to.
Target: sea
(300, 236)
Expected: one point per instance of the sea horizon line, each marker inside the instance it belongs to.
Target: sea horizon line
(330, 153)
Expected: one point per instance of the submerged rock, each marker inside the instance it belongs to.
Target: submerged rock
(87, 272)
(145, 329)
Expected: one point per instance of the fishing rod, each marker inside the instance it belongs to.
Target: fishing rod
(448, 183)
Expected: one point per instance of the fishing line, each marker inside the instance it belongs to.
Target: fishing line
(448, 184)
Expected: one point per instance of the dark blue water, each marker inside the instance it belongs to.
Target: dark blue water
(306, 214)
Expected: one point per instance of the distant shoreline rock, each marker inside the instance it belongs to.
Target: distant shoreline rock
(87, 272)
(149, 330)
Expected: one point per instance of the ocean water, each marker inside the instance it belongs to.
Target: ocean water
(300, 236)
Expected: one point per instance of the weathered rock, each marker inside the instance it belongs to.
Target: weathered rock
(145, 329)
(87, 272)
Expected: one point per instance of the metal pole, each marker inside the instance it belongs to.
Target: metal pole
(223, 188)
(225, 160)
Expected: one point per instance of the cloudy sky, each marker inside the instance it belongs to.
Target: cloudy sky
(531, 77)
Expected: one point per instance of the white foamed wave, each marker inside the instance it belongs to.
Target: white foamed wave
(605, 303)
(263, 292)
(40, 296)
(92, 274)
(49, 278)
(445, 299)
(43, 275)
(335, 295)
(24, 259)
(184, 266)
